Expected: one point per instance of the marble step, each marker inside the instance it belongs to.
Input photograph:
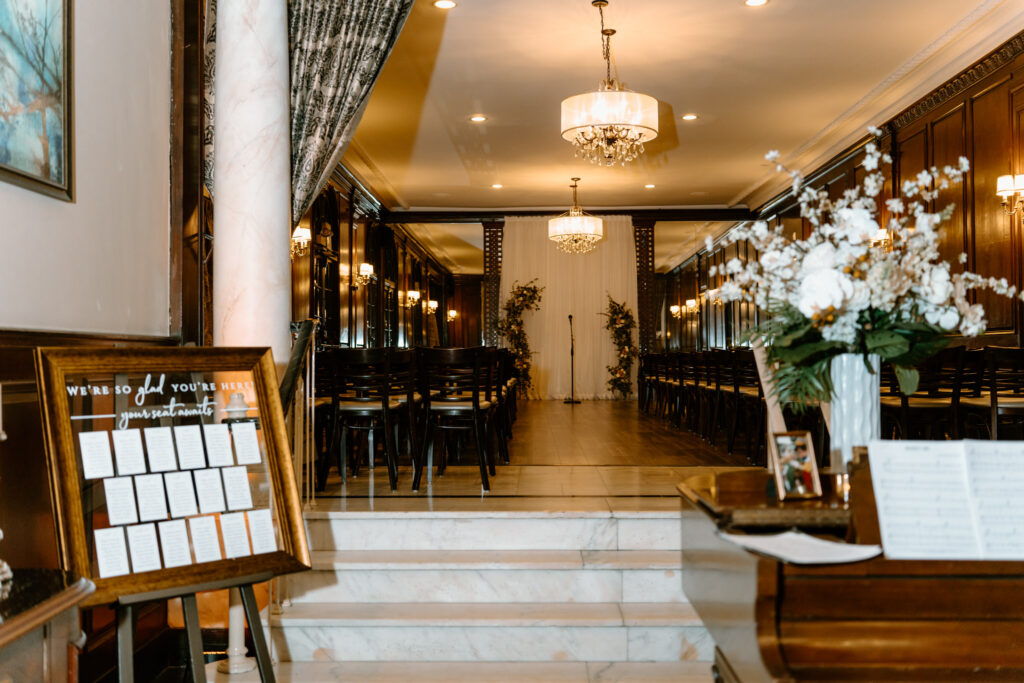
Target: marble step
(490, 576)
(480, 632)
(332, 529)
(478, 672)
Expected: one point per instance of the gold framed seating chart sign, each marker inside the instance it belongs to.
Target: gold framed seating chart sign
(170, 468)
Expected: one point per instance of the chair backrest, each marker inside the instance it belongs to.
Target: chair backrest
(402, 375)
(1005, 372)
(452, 375)
(358, 374)
(941, 376)
(745, 369)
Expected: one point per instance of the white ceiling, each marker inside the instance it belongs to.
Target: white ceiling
(802, 76)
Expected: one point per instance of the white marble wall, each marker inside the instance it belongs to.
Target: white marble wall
(252, 270)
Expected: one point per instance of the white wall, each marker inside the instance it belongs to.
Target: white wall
(101, 263)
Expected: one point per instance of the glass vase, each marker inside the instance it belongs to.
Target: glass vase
(856, 410)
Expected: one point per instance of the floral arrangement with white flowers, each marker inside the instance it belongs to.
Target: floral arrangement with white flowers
(621, 323)
(853, 286)
(523, 298)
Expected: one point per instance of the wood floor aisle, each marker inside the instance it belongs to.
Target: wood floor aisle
(594, 449)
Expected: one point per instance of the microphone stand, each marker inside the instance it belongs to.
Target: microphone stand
(572, 365)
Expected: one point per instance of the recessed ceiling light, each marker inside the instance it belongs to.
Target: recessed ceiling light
(497, 186)
(748, 3)
(649, 186)
(477, 118)
(689, 117)
(448, 4)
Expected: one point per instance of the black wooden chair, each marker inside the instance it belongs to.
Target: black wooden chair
(999, 408)
(361, 401)
(456, 389)
(932, 411)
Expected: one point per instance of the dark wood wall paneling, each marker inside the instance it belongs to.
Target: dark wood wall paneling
(467, 329)
(978, 114)
(347, 232)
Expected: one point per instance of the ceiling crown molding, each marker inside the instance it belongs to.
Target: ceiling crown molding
(992, 24)
(997, 60)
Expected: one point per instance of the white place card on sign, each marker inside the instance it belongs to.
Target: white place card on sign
(218, 445)
(209, 491)
(128, 451)
(190, 447)
(145, 551)
(205, 541)
(181, 493)
(261, 530)
(152, 501)
(96, 460)
(120, 495)
(111, 552)
(160, 449)
(236, 537)
(247, 443)
(236, 487)
(174, 543)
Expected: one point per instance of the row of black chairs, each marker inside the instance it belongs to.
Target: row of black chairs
(962, 393)
(708, 392)
(409, 397)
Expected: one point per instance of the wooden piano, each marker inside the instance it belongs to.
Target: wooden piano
(878, 620)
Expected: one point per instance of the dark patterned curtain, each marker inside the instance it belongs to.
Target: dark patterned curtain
(338, 48)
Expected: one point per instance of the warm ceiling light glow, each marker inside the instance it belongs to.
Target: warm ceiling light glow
(448, 4)
(610, 125)
(689, 117)
(649, 186)
(576, 232)
(477, 118)
(748, 3)
(497, 186)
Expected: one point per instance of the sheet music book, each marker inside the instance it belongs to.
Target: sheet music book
(949, 500)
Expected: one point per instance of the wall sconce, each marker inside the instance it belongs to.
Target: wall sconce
(412, 297)
(1006, 187)
(452, 314)
(676, 311)
(365, 275)
(714, 299)
(301, 238)
(691, 305)
(431, 306)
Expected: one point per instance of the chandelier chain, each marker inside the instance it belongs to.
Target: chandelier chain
(606, 48)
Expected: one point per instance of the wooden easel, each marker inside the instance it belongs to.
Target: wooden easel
(126, 613)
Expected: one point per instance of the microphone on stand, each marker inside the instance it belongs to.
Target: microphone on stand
(572, 365)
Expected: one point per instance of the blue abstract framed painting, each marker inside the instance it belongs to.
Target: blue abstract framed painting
(35, 95)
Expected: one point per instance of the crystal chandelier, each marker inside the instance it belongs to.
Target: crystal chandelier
(612, 124)
(576, 232)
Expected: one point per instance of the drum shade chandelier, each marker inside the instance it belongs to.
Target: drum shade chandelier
(576, 232)
(610, 125)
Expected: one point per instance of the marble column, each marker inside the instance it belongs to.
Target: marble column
(252, 201)
(252, 188)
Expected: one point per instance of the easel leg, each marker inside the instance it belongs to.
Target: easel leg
(195, 639)
(125, 643)
(259, 642)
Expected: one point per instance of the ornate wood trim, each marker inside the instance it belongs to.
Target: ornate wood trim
(643, 240)
(494, 232)
(1005, 54)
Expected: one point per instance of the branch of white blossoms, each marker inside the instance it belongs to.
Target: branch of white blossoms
(849, 264)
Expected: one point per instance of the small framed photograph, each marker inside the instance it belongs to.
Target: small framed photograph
(796, 470)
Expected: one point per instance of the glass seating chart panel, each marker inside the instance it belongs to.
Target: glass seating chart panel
(173, 470)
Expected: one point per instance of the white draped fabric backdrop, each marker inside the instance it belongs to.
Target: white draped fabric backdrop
(573, 284)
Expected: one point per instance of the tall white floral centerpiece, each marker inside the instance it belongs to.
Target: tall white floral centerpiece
(854, 293)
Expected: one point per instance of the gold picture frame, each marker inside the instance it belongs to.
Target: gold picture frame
(96, 390)
(795, 467)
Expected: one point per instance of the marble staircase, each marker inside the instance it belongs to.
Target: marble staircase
(593, 593)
